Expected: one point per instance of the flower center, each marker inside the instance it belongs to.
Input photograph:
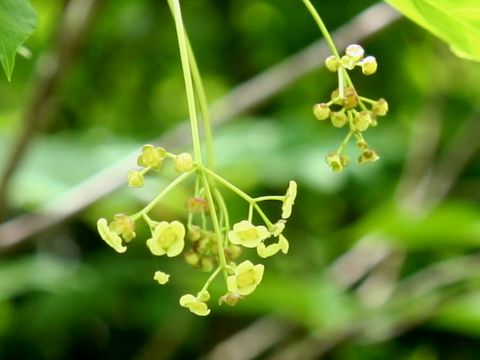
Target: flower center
(168, 238)
(246, 279)
(248, 234)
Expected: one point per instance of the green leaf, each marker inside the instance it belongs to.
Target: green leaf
(456, 22)
(17, 22)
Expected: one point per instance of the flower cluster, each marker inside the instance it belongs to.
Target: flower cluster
(207, 241)
(213, 244)
(152, 158)
(347, 108)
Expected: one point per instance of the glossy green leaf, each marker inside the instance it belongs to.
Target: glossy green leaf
(457, 22)
(17, 22)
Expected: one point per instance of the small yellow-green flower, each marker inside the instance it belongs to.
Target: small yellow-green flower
(123, 226)
(161, 277)
(135, 179)
(246, 234)
(151, 156)
(195, 305)
(110, 236)
(289, 199)
(167, 238)
(183, 162)
(368, 156)
(246, 278)
(230, 299)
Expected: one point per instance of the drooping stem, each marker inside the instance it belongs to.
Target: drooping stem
(323, 28)
(182, 44)
(202, 97)
(216, 224)
(164, 192)
(240, 193)
(203, 102)
(211, 278)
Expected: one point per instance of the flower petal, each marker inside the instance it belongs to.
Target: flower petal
(110, 237)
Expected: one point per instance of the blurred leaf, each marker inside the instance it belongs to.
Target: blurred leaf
(457, 22)
(17, 22)
(462, 314)
(35, 273)
(450, 226)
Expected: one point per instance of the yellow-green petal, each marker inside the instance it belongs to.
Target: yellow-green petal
(195, 305)
(283, 244)
(167, 238)
(267, 251)
(110, 237)
(289, 199)
(246, 234)
(246, 278)
(161, 277)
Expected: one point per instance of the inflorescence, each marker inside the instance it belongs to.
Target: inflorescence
(347, 108)
(207, 241)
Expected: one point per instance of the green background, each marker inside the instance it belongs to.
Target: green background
(65, 295)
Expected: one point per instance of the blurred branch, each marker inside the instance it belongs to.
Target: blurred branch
(240, 99)
(410, 193)
(458, 153)
(398, 306)
(252, 341)
(52, 67)
(414, 301)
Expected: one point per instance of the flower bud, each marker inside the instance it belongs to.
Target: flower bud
(380, 108)
(183, 162)
(197, 205)
(332, 63)
(194, 233)
(192, 258)
(369, 65)
(207, 264)
(362, 120)
(338, 118)
(355, 51)
(361, 144)
(351, 98)
(344, 160)
(123, 226)
(335, 162)
(230, 299)
(368, 156)
(135, 179)
(348, 62)
(321, 111)
(233, 251)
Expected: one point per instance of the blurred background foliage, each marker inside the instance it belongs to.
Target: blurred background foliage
(383, 260)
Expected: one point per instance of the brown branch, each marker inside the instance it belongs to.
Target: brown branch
(52, 67)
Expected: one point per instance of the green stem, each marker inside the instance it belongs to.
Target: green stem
(211, 278)
(216, 225)
(240, 193)
(182, 44)
(203, 102)
(341, 83)
(202, 97)
(323, 28)
(270, 197)
(165, 191)
(223, 212)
